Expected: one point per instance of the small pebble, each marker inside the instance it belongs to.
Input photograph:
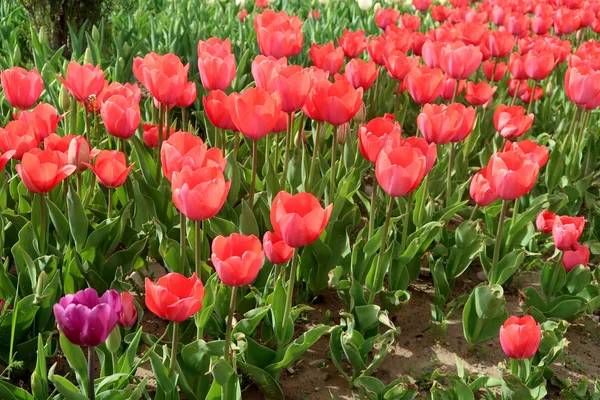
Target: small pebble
(317, 388)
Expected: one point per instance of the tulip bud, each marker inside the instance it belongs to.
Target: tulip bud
(95, 34)
(79, 152)
(549, 88)
(43, 36)
(17, 55)
(128, 316)
(578, 36)
(38, 385)
(113, 341)
(64, 98)
(87, 57)
(359, 117)
(365, 4)
(342, 132)
(42, 282)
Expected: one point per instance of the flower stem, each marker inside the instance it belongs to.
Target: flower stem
(372, 211)
(73, 123)
(90, 371)
(182, 234)
(406, 222)
(498, 243)
(375, 93)
(253, 179)
(449, 176)
(386, 227)
(516, 92)
(531, 98)
(44, 227)
(290, 293)
(333, 160)
(423, 200)
(288, 142)
(88, 135)
(160, 142)
(313, 161)
(198, 248)
(109, 201)
(236, 145)
(554, 277)
(174, 341)
(228, 353)
(277, 140)
(474, 212)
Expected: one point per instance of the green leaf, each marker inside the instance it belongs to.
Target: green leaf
(251, 320)
(248, 225)
(263, 380)
(299, 347)
(278, 301)
(10, 392)
(484, 313)
(59, 221)
(78, 221)
(76, 359)
(65, 387)
(162, 374)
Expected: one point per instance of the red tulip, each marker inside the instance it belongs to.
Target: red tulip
(449, 86)
(511, 174)
(188, 96)
(498, 15)
(520, 337)
(314, 14)
(400, 170)
(386, 16)
(42, 170)
(582, 86)
(44, 116)
(412, 22)
(121, 116)
(20, 136)
(418, 40)
(399, 65)
(353, 43)
(85, 82)
(242, 15)
(440, 13)
(446, 123)
(150, 135)
(481, 191)
(488, 70)
(360, 73)
(431, 53)
(538, 64)
(264, 68)
(128, 315)
(184, 149)
(278, 35)
(216, 73)
(511, 121)
(566, 232)
(199, 193)
(21, 88)
(460, 61)
(293, 84)
(424, 84)
(275, 248)
(573, 258)
(110, 167)
(479, 93)
(281, 124)
(567, 22)
(545, 221)
(397, 39)
(175, 297)
(127, 90)
(429, 150)
(58, 143)
(215, 47)
(499, 43)
(541, 25)
(536, 153)
(237, 258)
(516, 23)
(80, 152)
(299, 219)
(254, 112)
(327, 57)
(165, 77)
(517, 87)
(336, 103)
(217, 109)
(5, 158)
(377, 134)
(422, 5)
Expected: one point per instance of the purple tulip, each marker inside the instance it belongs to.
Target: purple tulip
(85, 319)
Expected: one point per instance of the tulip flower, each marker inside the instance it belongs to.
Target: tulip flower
(150, 135)
(541, 25)
(264, 68)
(446, 123)
(520, 337)
(378, 48)
(293, 84)
(399, 65)
(451, 88)
(254, 112)
(42, 170)
(422, 5)
(58, 143)
(582, 86)
(20, 136)
(480, 190)
(536, 153)
(424, 84)
(516, 23)
(79, 153)
(216, 73)
(499, 43)
(429, 150)
(362, 74)
(165, 77)
(336, 103)
(399, 170)
(110, 167)
(174, 297)
(579, 256)
(495, 68)
(386, 16)
(376, 134)
(412, 22)
(187, 97)
(86, 319)
(353, 43)
(44, 116)
(566, 231)
(511, 122)
(5, 158)
(237, 258)
(511, 174)
(85, 82)
(459, 60)
(545, 221)
(127, 90)
(516, 66)
(217, 110)
(242, 15)
(21, 88)
(278, 34)
(184, 149)
(121, 116)
(128, 315)
(479, 93)
(327, 57)
(276, 250)
(538, 64)
(418, 40)
(431, 53)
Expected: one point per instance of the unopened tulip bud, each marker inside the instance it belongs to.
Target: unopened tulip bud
(87, 57)
(359, 118)
(79, 152)
(365, 4)
(17, 55)
(64, 98)
(43, 36)
(113, 341)
(342, 132)
(578, 36)
(38, 385)
(95, 34)
(42, 282)
(128, 316)
(549, 88)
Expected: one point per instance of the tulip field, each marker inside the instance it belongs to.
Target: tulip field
(326, 199)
